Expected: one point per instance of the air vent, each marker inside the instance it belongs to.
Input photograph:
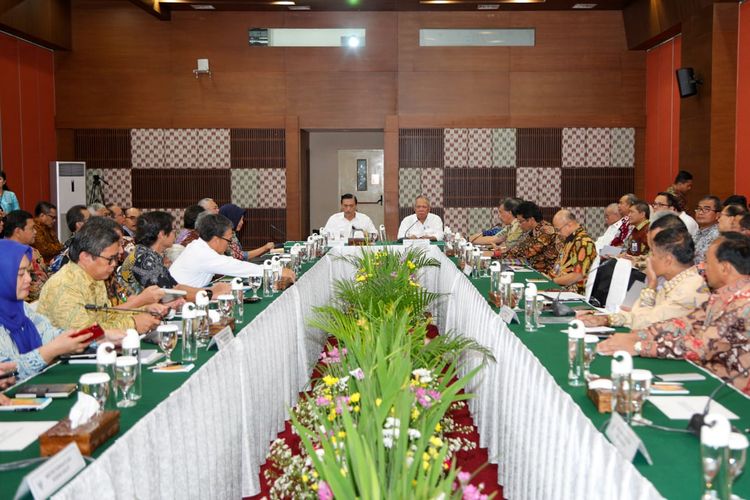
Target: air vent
(199, 6)
(584, 5)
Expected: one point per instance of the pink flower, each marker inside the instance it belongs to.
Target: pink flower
(471, 492)
(463, 477)
(324, 491)
(321, 401)
(358, 374)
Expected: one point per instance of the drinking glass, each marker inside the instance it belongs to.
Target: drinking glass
(711, 458)
(96, 385)
(255, 282)
(226, 304)
(484, 262)
(125, 369)
(589, 353)
(737, 454)
(640, 392)
(167, 340)
(516, 294)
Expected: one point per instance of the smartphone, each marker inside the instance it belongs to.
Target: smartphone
(95, 329)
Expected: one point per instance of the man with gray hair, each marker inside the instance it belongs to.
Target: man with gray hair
(623, 206)
(612, 218)
(209, 205)
(204, 257)
(577, 254)
(421, 224)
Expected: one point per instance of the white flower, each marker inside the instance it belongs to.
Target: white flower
(414, 434)
(392, 422)
(409, 460)
(423, 375)
(320, 452)
(358, 374)
(387, 442)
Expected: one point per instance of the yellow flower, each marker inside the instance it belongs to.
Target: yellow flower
(330, 380)
(342, 434)
(362, 322)
(410, 265)
(332, 415)
(414, 413)
(378, 402)
(436, 441)
(354, 398)
(433, 452)
(438, 427)
(333, 440)
(343, 472)
(360, 278)
(305, 479)
(425, 456)
(356, 408)
(446, 466)
(314, 486)
(315, 474)
(425, 465)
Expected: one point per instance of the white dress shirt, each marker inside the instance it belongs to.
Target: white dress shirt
(198, 263)
(692, 226)
(340, 228)
(432, 226)
(609, 235)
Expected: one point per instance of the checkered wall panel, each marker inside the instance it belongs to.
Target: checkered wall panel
(583, 169)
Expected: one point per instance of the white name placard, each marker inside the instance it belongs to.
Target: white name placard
(625, 439)
(55, 472)
(468, 269)
(221, 339)
(508, 315)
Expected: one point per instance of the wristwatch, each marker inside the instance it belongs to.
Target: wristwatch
(637, 348)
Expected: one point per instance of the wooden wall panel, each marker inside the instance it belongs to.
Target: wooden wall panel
(179, 187)
(742, 160)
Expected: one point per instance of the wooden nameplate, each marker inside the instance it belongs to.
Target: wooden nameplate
(357, 242)
(88, 436)
(602, 399)
(215, 328)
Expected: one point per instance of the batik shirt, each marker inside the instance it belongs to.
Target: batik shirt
(681, 200)
(715, 336)
(39, 275)
(623, 233)
(637, 242)
(576, 256)
(540, 247)
(46, 242)
(148, 269)
(703, 239)
(511, 234)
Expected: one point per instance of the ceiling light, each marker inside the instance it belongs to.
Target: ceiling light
(299, 7)
(352, 41)
(283, 2)
(488, 6)
(584, 6)
(202, 6)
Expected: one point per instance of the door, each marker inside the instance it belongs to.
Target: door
(361, 174)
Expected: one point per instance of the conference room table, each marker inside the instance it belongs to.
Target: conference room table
(206, 433)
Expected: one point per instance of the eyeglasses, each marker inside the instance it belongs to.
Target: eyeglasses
(228, 240)
(53, 217)
(110, 260)
(705, 209)
(131, 216)
(662, 205)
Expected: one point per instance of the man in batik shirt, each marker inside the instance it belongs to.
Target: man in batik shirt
(637, 242)
(715, 336)
(683, 183)
(540, 246)
(707, 217)
(623, 206)
(577, 255)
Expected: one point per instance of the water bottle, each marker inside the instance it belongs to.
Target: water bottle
(381, 233)
(622, 369)
(476, 262)
(310, 247)
(131, 346)
(276, 269)
(268, 278)
(201, 312)
(105, 363)
(495, 274)
(530, 316)
(506, 280)
(190, 330)
(576, 354)
(238, 290)
(715, 434)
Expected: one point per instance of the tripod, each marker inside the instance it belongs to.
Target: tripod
(96, 194)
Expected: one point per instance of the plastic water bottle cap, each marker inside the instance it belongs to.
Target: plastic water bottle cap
(237, 284)
(105, 353)
(496, 267)
(576, 329)
(132, 340)
(530, 290)
(94, 378)
(622, 363)
(268, 264)
(201, 298)
(188, 310)
(715, 431)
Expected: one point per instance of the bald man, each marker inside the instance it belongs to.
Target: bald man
(613, 219)
(577, 254)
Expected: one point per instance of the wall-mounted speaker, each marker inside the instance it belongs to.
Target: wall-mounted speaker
(686, 82)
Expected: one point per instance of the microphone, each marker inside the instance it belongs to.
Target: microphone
(603, 264)
(407, 230)
(696, 421)
(481, 233)
(122, 310)
(560, 309)
(98, 178)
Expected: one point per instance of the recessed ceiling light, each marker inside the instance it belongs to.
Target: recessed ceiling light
(202, 6)
(488, 6)
(584, 5)
(283, 2)
(299, 7)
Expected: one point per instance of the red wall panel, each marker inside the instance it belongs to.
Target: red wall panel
(742, 160)
(27, 114)
(662, 117)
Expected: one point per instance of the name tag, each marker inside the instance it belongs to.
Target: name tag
(468, 269)
(221, 339)
(55, 472)
(625, 439)
(508, 315)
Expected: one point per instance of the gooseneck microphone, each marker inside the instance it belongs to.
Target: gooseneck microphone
(697, 420)
(279, 231)
(122, 310)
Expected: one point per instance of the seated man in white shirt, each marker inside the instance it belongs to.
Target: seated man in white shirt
(347, 223)
(204, 258)
(613, 220)
(667, 201)
(421, 224)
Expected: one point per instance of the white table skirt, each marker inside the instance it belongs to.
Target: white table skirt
(209, 438)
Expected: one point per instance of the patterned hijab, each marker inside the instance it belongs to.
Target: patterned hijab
(12, 315)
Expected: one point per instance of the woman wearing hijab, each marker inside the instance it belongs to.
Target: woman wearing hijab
(27, 339)
(237, 216)
(8, 200)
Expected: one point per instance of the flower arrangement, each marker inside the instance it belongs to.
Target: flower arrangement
(375, 423)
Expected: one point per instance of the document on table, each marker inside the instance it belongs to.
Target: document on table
(684, 407)
(564, 296)
(15, 436)
(610, 251)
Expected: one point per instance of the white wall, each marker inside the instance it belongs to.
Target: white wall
(324, 170)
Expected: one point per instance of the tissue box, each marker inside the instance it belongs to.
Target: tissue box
(88, 437)
(215, 328)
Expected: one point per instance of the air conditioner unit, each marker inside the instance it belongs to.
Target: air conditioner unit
(67, 182)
